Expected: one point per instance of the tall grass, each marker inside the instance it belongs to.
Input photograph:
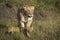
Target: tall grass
(46, 27)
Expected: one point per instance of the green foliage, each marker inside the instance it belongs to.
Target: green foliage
(39, 4)
(46, 28)
(9, 23)
(22, 2)
(1, 1)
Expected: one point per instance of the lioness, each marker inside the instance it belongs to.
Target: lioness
(26, 17)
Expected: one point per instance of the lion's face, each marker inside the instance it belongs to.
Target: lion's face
(29, 9)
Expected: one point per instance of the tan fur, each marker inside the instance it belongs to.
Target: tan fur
(13, 29)
(29, 9)
(30, 29)
(25, 18)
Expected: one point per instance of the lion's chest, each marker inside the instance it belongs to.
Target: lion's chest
(26, 19)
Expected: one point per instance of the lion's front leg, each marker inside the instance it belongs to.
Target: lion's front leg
(22, 25)
(29, 26)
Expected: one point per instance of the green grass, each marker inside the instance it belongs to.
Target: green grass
(45, 28)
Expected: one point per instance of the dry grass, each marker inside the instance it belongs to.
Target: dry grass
(46, 27)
